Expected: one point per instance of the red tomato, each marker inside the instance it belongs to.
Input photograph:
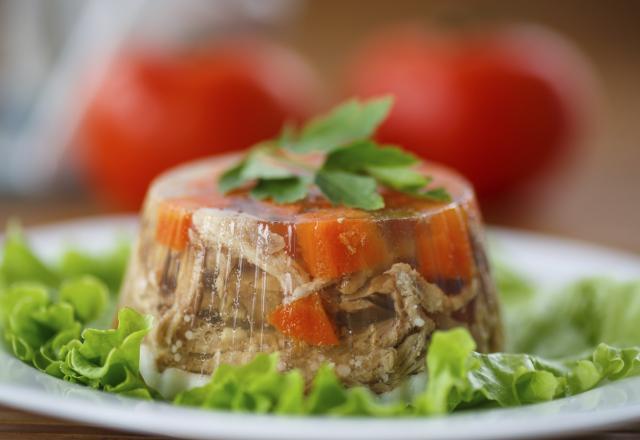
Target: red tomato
(154, 110)
(497, 107)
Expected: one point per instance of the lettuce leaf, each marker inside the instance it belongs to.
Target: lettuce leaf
(260, 387)
(448, 363)
(88, 296)
(467, 378)
(48, 334)
(458, 378)
(108, 266)
(512, 286)
(329, 397)
(255, 387)
(30, 321)
(19, 263)
(109, 359)
(572, 320)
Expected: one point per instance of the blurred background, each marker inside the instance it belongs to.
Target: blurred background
(537, 103)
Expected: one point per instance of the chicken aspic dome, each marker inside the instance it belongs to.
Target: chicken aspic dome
(236, 257)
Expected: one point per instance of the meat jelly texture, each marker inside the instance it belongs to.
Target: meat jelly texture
(227, 277)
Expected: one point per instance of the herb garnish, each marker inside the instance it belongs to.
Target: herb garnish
(353, 168)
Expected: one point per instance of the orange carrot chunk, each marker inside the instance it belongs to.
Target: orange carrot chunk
(338, 242)
(305, 320)
(174, 221)
(174, 218)
(443, 247)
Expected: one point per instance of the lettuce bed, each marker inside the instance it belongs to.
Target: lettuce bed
(55, 319)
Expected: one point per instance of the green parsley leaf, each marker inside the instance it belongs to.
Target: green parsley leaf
(362, 154)
(438, 194)
(399, 178)
(349, 122)
(265, 163)
(389, 165)
(349, 189)
(261, 162)
(285, 190)
(233, 178)
(354, 164)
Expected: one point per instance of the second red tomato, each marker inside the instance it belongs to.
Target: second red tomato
(498, 107)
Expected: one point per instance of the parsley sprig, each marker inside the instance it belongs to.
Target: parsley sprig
(353, 164)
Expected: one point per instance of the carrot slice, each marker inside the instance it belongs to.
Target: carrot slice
(338, 242)
(306, 320)
(174, 218)
(443, 247)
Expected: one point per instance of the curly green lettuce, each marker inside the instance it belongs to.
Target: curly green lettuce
(461, 378)
(578, 318)
(44, 314)
(20, 263)
(458, 378)
(49, 335)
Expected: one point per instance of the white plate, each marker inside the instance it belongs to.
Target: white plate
(543, 258)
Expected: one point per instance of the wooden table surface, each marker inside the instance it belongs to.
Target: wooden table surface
(21, 425)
